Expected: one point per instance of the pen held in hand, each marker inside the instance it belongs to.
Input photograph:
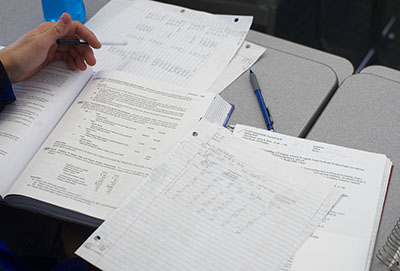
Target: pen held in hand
(263, 107)
(83, 42)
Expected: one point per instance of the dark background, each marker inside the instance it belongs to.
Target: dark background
(348, 28)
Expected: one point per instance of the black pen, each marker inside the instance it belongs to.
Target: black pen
(264, 108)
(83, 42)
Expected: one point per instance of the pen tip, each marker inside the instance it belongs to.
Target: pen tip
(251, 71)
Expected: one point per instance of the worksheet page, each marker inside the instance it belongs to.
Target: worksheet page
(110, 139)
(346, 238)
(168, 43)
(24, 124)
(245, 58)
(215, 203)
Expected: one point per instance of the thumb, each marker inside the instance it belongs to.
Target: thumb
(59, 29)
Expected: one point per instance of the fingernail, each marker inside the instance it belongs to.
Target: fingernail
(64, 19)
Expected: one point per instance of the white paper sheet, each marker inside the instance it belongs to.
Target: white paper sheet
(346, 239)
(110, 139)
(216, 203)
(247, 55)
(25, 124)
(168, 43)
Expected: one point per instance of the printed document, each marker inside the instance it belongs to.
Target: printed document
(215, 203)
(168, 43)
(346, 238)
(115, 132)
(41, 102)
(247, 55)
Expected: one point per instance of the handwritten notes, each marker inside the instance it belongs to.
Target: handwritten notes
(214, 204)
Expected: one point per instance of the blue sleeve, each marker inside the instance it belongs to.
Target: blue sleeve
(8, 260)
(6, 91)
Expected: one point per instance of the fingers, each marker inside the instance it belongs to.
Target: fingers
(65, 28)
(38, 47)
(79, 30)
(87, 54)
(59, 29)
(70, 62)
(76, 58)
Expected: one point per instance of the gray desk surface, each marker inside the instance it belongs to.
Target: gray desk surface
(340, 66)
(364, 114)
(295, 80)
(293, 88)
(382, 71)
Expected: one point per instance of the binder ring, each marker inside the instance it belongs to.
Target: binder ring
(389, 254)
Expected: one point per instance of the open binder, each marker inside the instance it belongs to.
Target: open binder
(389, 254)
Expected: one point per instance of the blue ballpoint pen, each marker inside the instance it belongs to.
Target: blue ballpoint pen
(264, 108)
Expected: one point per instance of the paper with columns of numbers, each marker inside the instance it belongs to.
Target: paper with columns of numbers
(168, 43)
(244, 58)
(247, 55)
(215, 203)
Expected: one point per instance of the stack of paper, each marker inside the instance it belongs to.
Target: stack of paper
(174, 44)
(350, 230)
(120, 123)
(215, 203)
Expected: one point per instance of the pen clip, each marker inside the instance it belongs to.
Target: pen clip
(230, 127)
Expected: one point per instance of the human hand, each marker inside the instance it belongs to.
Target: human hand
(38, 47)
